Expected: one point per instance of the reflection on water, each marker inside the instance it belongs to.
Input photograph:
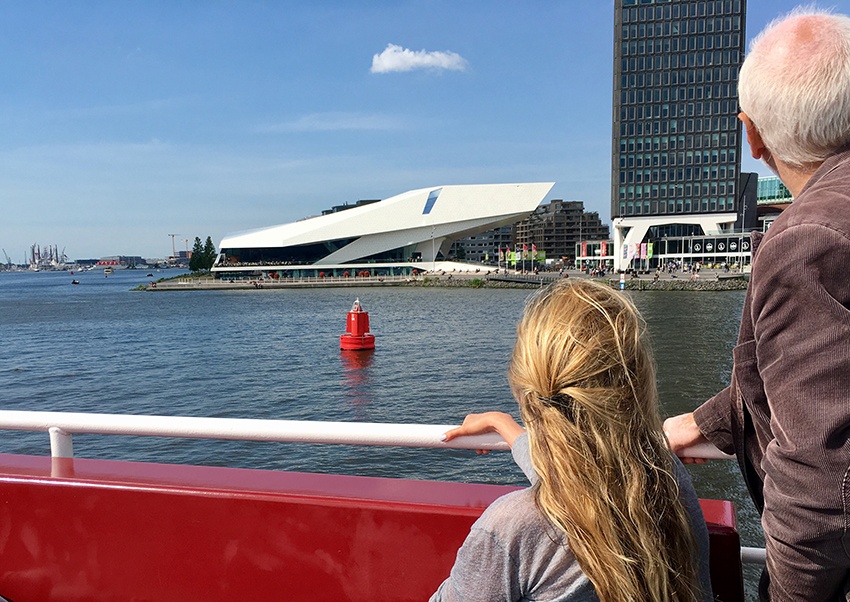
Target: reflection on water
(356, 385)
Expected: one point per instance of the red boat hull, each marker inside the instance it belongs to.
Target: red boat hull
(107, 530)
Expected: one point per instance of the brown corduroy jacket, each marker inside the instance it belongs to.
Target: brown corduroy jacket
(786, 414)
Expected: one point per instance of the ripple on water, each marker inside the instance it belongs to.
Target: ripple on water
(441, 353)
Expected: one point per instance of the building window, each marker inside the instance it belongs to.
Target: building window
(432, 198)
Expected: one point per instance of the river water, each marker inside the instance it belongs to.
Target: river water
(441, 352)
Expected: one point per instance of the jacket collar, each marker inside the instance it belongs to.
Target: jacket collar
(833, 162)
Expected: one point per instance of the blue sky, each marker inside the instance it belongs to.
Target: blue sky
(122, 122)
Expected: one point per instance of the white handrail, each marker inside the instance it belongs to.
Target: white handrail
(62, 425)
(704, 451)
(753, 555)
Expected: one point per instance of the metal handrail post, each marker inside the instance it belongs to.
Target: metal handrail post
(61, 443)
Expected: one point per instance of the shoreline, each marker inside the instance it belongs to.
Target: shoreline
(710, 280)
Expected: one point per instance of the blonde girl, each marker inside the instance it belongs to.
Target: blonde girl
(610, 515)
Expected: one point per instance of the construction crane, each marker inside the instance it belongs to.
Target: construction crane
(8, 261)
(173, 250)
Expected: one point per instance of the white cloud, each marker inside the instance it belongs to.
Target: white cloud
(395, 58)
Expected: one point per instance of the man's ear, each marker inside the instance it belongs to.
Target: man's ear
(757, 147)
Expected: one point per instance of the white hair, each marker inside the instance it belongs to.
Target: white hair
(795, 86)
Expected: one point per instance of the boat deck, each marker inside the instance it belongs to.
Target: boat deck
(80, 529)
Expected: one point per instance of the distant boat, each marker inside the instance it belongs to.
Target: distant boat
(107, 271)
(75, 281)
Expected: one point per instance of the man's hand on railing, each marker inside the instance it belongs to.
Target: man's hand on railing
(682, 432)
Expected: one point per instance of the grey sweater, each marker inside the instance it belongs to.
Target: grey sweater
(514, 553)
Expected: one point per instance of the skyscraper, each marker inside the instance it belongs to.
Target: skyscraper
(676, 163)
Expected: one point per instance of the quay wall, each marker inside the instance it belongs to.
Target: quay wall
(635, 284)
(708, 283)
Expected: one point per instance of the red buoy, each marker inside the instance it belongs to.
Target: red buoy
(357, 335)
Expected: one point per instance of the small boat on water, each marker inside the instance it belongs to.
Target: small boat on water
(75, 281)
(107, 271)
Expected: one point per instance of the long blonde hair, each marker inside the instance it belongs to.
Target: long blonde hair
(584, 378)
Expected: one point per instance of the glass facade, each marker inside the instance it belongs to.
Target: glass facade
(676, 136)
(309, 254)
(772, 190)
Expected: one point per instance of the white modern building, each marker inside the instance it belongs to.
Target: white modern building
(395, 236)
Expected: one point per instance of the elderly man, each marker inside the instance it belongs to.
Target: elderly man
(786, 414)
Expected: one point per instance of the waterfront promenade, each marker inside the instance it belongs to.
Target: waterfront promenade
(708, 280)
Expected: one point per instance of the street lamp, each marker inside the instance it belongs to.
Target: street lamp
(433, 252)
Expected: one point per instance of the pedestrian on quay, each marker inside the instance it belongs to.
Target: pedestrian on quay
(611, 514)
(786, 414)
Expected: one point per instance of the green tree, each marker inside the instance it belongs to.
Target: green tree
(209, 254)
(196, 261)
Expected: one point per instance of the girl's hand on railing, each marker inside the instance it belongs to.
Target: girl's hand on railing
(489, 422)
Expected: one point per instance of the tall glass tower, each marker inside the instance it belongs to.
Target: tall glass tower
(676, 136)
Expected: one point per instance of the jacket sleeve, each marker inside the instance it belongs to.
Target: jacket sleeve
(714, 419)
(801, 318)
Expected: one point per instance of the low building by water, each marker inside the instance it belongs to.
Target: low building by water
(400, 235)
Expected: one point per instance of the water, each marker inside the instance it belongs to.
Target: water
(441, 352)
